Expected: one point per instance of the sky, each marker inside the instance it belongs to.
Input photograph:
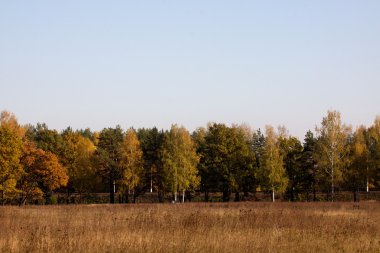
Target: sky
(154, 63)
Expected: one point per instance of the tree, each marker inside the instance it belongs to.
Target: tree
(87, 133)
(77, 155)
(355, 176)
(42, 173)
(11, 135)
(332, 147)
(272, 175)
(308, 161)
(108, 157)
(180, 161)
(151, 141)
(373, 144)
(227, 160)
(131, 163)
(244, 161)
(45, 139)
(9, 120)
(258, 142)
(291, 150)
(198, 137)
(10, 168)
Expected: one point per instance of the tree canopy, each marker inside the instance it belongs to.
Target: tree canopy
(38, 163)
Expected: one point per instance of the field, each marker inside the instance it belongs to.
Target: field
(198, 227)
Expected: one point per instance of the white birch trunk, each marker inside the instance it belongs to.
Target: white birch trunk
(367, 181)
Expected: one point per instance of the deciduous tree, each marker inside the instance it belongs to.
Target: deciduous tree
(332, 148)
(10, 168)
(180, 161)
(42, 173)
(227, 160)
(272, 175)
(76, 156)
(373, 143)
(131, 163)
(355, 175)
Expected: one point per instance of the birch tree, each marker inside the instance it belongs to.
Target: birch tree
(332, 148)
(180, 161)
(272, 174)
(131, 163)
(77, 154)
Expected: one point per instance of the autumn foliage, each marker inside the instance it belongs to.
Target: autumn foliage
(37, 163)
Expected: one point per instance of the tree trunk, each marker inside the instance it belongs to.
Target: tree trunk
(292, 194)
(367, 186)
(332, 181)
(246, 195)
(188, 196)
(126, 196)
(175, 197)
(226, 192)
(332, 190)
(183, 196)
(48, 196)
(206, 196)
(133, 196)
(112, 193)
(273, 195)
(226, 195)
(160, 196)
(68, 196)
(23, 199)
(237, 196)
(356, 195)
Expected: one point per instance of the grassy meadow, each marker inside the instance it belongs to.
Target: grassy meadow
(193, 227)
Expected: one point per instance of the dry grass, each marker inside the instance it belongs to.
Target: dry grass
(200, 227)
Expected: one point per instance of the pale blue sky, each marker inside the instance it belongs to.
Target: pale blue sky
(153, 63)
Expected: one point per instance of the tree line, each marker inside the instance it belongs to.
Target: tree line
(235, 161)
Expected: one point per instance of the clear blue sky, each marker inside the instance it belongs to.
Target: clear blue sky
(153, 63)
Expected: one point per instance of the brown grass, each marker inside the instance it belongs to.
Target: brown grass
(198, 227)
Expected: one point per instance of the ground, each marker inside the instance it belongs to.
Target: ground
(198, 227)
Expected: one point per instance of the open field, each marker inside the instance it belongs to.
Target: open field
(198, 227)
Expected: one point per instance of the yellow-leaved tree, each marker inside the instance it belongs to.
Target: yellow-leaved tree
(77, 158)
(332, 148)
(355, 175)
(131, 164)
(271, 174)
(11, 135)
(180, 161)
